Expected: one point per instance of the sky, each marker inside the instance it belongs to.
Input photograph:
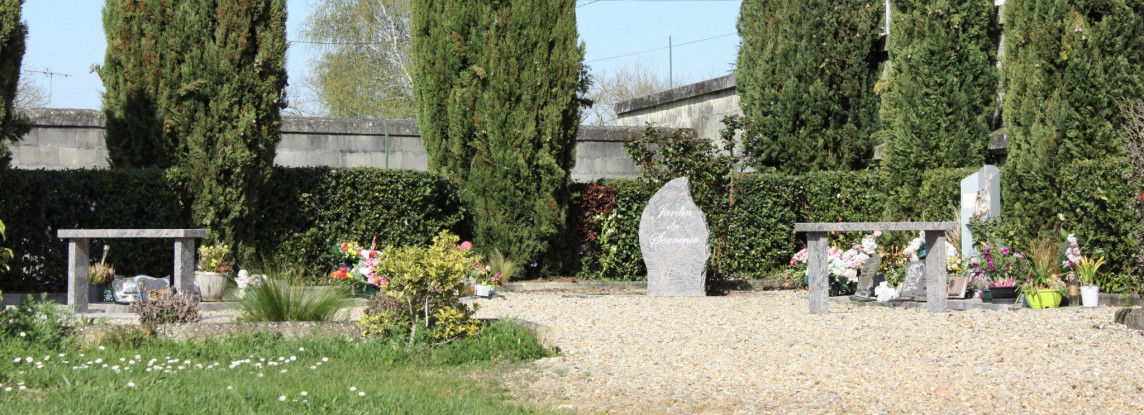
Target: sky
(65, 38)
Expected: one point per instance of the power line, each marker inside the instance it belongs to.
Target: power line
(660, 48)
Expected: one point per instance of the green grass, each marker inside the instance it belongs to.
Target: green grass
(236, 375)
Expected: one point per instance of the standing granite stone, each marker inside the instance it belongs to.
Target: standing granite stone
(913, 285)
(866, 277)
(673, 239)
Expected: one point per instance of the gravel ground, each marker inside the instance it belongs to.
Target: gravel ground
(762, 352)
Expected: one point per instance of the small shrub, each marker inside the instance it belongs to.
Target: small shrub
(174, 309)
(124, 337)
(424, 282)
(278, 300)
(37, 322)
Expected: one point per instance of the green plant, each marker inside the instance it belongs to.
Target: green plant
(423, 282)
(279, 298)
(124, 337)
(1044, 270)
(12, 34)
(100, 273)
(1133, 137)
(1086, 269)
(499, 265)
(500, 114)
(5, 253)
(812, 102)
(214, 258)
(173, 309)
(38, 322)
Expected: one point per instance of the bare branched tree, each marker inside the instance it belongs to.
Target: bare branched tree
(365, 60)
(632, 80)
(30, 94)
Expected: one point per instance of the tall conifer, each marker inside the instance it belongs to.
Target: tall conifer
(138, 87)
(498, 87)
(939, 96)
(12, 34)
(805, 76)
(1067, 68)
(227, 108)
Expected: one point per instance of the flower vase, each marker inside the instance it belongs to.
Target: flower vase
(1090, 295)
(986, 296)
(210, 285)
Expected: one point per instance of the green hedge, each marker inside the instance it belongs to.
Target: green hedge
(309, 209)
(1094, 202)
(38, 203)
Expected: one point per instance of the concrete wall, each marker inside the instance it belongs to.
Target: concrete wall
(700, 106)
(73, 139)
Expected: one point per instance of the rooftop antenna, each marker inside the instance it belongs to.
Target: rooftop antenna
(51, 76)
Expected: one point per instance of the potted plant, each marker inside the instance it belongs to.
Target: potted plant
(1086, 268)
(99, 277)
(996, 271)
(1043, 288)
(210, 277)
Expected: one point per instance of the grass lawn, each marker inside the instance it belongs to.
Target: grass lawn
(262, 374)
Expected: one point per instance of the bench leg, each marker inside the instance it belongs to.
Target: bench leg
(184, 276)
(937, 291)
(816, 272)
(78, 263)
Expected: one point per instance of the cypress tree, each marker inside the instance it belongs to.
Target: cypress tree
(806, 73)
(12, 34)
(138, 89)
(498, 86)
(227, 107)
(939, 95)
(1067, 68)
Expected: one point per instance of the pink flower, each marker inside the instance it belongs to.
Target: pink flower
(466, 245)
(877, 234)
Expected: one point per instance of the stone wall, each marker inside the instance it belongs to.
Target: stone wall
(700, 106)
(73, 139)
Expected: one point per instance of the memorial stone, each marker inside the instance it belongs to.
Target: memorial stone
(866, 276)
(914, 284)
(980, 199)
(673, 240)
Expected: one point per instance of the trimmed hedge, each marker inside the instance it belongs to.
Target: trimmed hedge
(308, 210)
(41, 202)
(1094, 202)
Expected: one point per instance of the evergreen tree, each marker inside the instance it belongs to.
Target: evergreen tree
(939, 95)
(12, 34)
(805, 77)
(226, 109)
(138, 88)
(1067, 68)
(498, 87)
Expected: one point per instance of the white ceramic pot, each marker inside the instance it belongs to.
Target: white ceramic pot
(1090, 295)
(210, 285)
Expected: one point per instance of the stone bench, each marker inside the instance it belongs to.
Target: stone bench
(79, 247)
(817, 258)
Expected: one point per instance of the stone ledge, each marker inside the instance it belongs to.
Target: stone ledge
(1131, 317)
(676, 94)
(132, 233)
(873, 226)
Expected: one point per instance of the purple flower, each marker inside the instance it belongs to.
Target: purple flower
(1004, 250)
(1018, 255)
(989, 265)
(985, 248)
(988, 257)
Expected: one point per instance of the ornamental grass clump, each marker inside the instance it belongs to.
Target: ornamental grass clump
(277, 298)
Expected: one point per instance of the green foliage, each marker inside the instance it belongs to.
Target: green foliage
(279, 299)
(498, 89)
(806, 72)
(618, 234)
(1133, 137)
(309, 210)
(139, 82)
(5, 253)
(230, 93)
(423, 282)
(938, 100)
(47, 201)
(173, 309)
(761, 234)
(390, 375)
(12, 34)
(1095, 206)
(364, 65)
(1068, 66)
(41, 323)
(939, 198)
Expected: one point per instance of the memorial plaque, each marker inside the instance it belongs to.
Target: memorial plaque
(673, 240)
(866, 277)
(914, 284)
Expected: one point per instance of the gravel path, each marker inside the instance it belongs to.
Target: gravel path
(763, 352)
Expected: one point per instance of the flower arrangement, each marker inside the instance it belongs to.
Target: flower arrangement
(1085, 266)
(247, 280)
(358, 264)
(916, 250)
(1001, 268)
(347, 252)
(214, 258)
(1043, 269)
(100, 273)
(843, 266)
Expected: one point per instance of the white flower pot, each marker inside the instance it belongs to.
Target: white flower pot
(482, 291)
(1090, 295)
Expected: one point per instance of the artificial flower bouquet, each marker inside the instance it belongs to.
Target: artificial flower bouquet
(357, 264)
(842, 266)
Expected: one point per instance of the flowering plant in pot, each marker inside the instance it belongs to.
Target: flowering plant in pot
(1043, 288)
(997, 270)
(1086, 268)
(210, 276)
